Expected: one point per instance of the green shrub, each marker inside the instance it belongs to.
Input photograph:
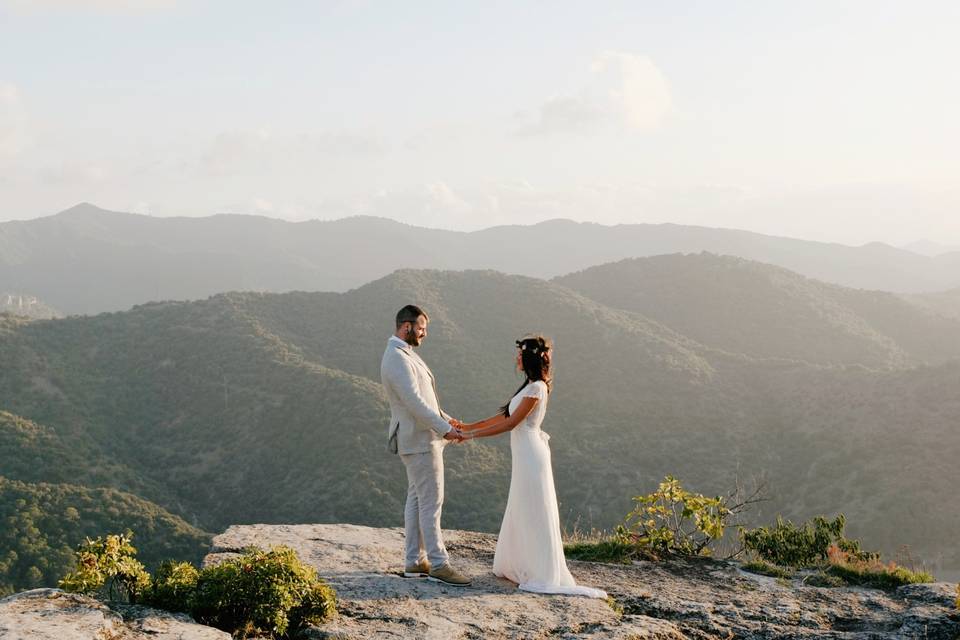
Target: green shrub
(870, 572)
(616, 606)
(108, 564)
(821, 544)
(319, 604)
(673, 521)
(790, 545)
(173, 586)
(764, 568)
(262, 592)
(821, 579)
(880, 577)
(614, 550)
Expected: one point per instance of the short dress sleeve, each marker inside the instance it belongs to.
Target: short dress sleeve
(536, 390)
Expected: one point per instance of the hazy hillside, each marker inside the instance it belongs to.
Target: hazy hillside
(946, 303)
(265, 408)
(929, 248)
(760, 310)
(46, 514)
(35, 453)
(44, 523)
(87, 260)
(219, 420)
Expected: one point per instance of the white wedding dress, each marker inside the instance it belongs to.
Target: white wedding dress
(529, 548)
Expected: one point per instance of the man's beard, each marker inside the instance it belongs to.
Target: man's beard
(412, 339)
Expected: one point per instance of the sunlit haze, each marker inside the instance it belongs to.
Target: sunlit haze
(818, 120)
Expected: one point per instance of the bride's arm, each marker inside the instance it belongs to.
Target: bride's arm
(472, 426)
(500, 424)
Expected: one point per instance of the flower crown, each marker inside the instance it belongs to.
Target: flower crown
(534, 345)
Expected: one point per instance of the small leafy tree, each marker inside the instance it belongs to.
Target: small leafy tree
(674, 521)
(108, 564)
(807, 545)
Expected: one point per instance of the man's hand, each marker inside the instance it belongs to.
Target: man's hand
(454, 434)
(456, 424)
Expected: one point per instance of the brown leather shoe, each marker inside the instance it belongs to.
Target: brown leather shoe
(419, 570)
(448, 575)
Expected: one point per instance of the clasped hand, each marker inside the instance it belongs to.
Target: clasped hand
(456, 434)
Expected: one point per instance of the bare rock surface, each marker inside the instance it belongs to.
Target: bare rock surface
(678, 599)
(51, 614)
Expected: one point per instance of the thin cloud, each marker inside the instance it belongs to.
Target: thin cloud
(633, 89)
(624, 89)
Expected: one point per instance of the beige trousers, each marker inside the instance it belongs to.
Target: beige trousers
(421, 517)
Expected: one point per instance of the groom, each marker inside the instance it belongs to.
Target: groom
(418, 431)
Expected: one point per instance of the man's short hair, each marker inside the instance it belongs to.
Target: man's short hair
(410, 313)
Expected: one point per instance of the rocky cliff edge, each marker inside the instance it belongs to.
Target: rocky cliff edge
(696, 599)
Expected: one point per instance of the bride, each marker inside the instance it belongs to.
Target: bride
(529, 548)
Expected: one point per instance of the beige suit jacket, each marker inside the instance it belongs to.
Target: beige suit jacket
(415, 415)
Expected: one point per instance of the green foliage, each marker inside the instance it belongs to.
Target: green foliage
(674, 521)
(806, 545)
(613, 550)
(767, 569)
(616, 606)
(880, 577)
(823, 579)
(262, 592)
(42, 524)
(867, 570)
(821, 544)
(108, 563)
(173, 586)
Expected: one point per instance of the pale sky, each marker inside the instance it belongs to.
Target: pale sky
(823, 120)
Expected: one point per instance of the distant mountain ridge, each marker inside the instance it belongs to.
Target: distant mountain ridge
(88, 260)
(930, 248)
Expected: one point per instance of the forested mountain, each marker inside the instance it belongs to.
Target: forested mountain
(945, 303)
(46, 512)
(760, 310)
(88, 260)
(43, 524)
(252, 407)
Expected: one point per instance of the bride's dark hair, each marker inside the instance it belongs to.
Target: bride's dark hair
(535, 358)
